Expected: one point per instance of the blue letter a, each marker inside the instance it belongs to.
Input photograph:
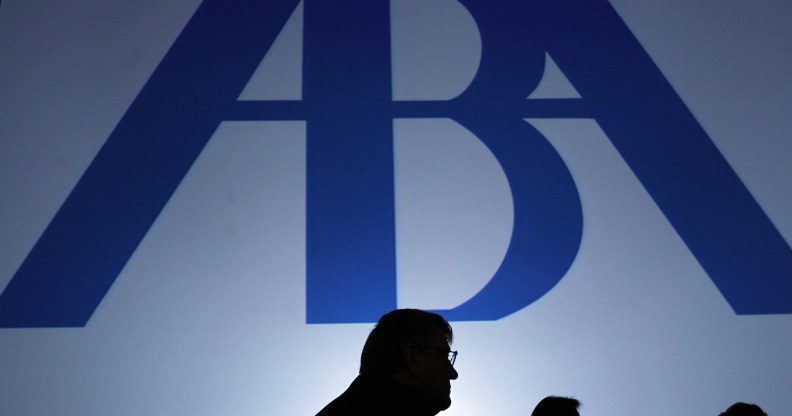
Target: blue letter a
(194, 89)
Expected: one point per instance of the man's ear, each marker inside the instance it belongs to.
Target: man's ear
(411, 359)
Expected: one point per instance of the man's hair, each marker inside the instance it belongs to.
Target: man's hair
(557, 406)
(382, 353)
(744, 409)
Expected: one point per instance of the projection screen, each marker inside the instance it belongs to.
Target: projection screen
(207, 204)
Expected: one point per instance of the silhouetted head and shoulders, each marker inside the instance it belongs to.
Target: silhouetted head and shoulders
(557, 406)
(406, 368)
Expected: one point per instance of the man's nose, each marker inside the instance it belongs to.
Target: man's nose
(454, 373)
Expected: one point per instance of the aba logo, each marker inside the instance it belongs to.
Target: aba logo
(349, 113)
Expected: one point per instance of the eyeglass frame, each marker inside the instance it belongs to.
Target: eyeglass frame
(451, 354)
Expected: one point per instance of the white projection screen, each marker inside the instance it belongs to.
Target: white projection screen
(206, 205)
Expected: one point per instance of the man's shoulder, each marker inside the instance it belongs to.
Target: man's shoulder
(355, 401)
(375, 396)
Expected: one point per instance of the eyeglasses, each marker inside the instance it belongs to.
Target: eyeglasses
(451, 354)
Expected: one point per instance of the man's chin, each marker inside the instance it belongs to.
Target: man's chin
(442, 403)
(446, 405)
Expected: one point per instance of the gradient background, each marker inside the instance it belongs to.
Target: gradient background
(208, 316)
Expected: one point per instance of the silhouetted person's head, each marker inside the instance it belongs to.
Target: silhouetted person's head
(744, 409)
(557, 406)
(413, 347)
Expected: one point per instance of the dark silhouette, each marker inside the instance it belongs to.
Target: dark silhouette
(557, 406)
(406, 368)
(744, 409)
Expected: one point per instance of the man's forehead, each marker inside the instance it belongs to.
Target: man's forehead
(438, 337)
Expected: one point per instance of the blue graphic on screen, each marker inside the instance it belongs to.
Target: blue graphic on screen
(349, 112)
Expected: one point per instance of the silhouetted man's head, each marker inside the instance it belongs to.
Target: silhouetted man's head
(557, 406)
(744, 409)
(413, 347)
